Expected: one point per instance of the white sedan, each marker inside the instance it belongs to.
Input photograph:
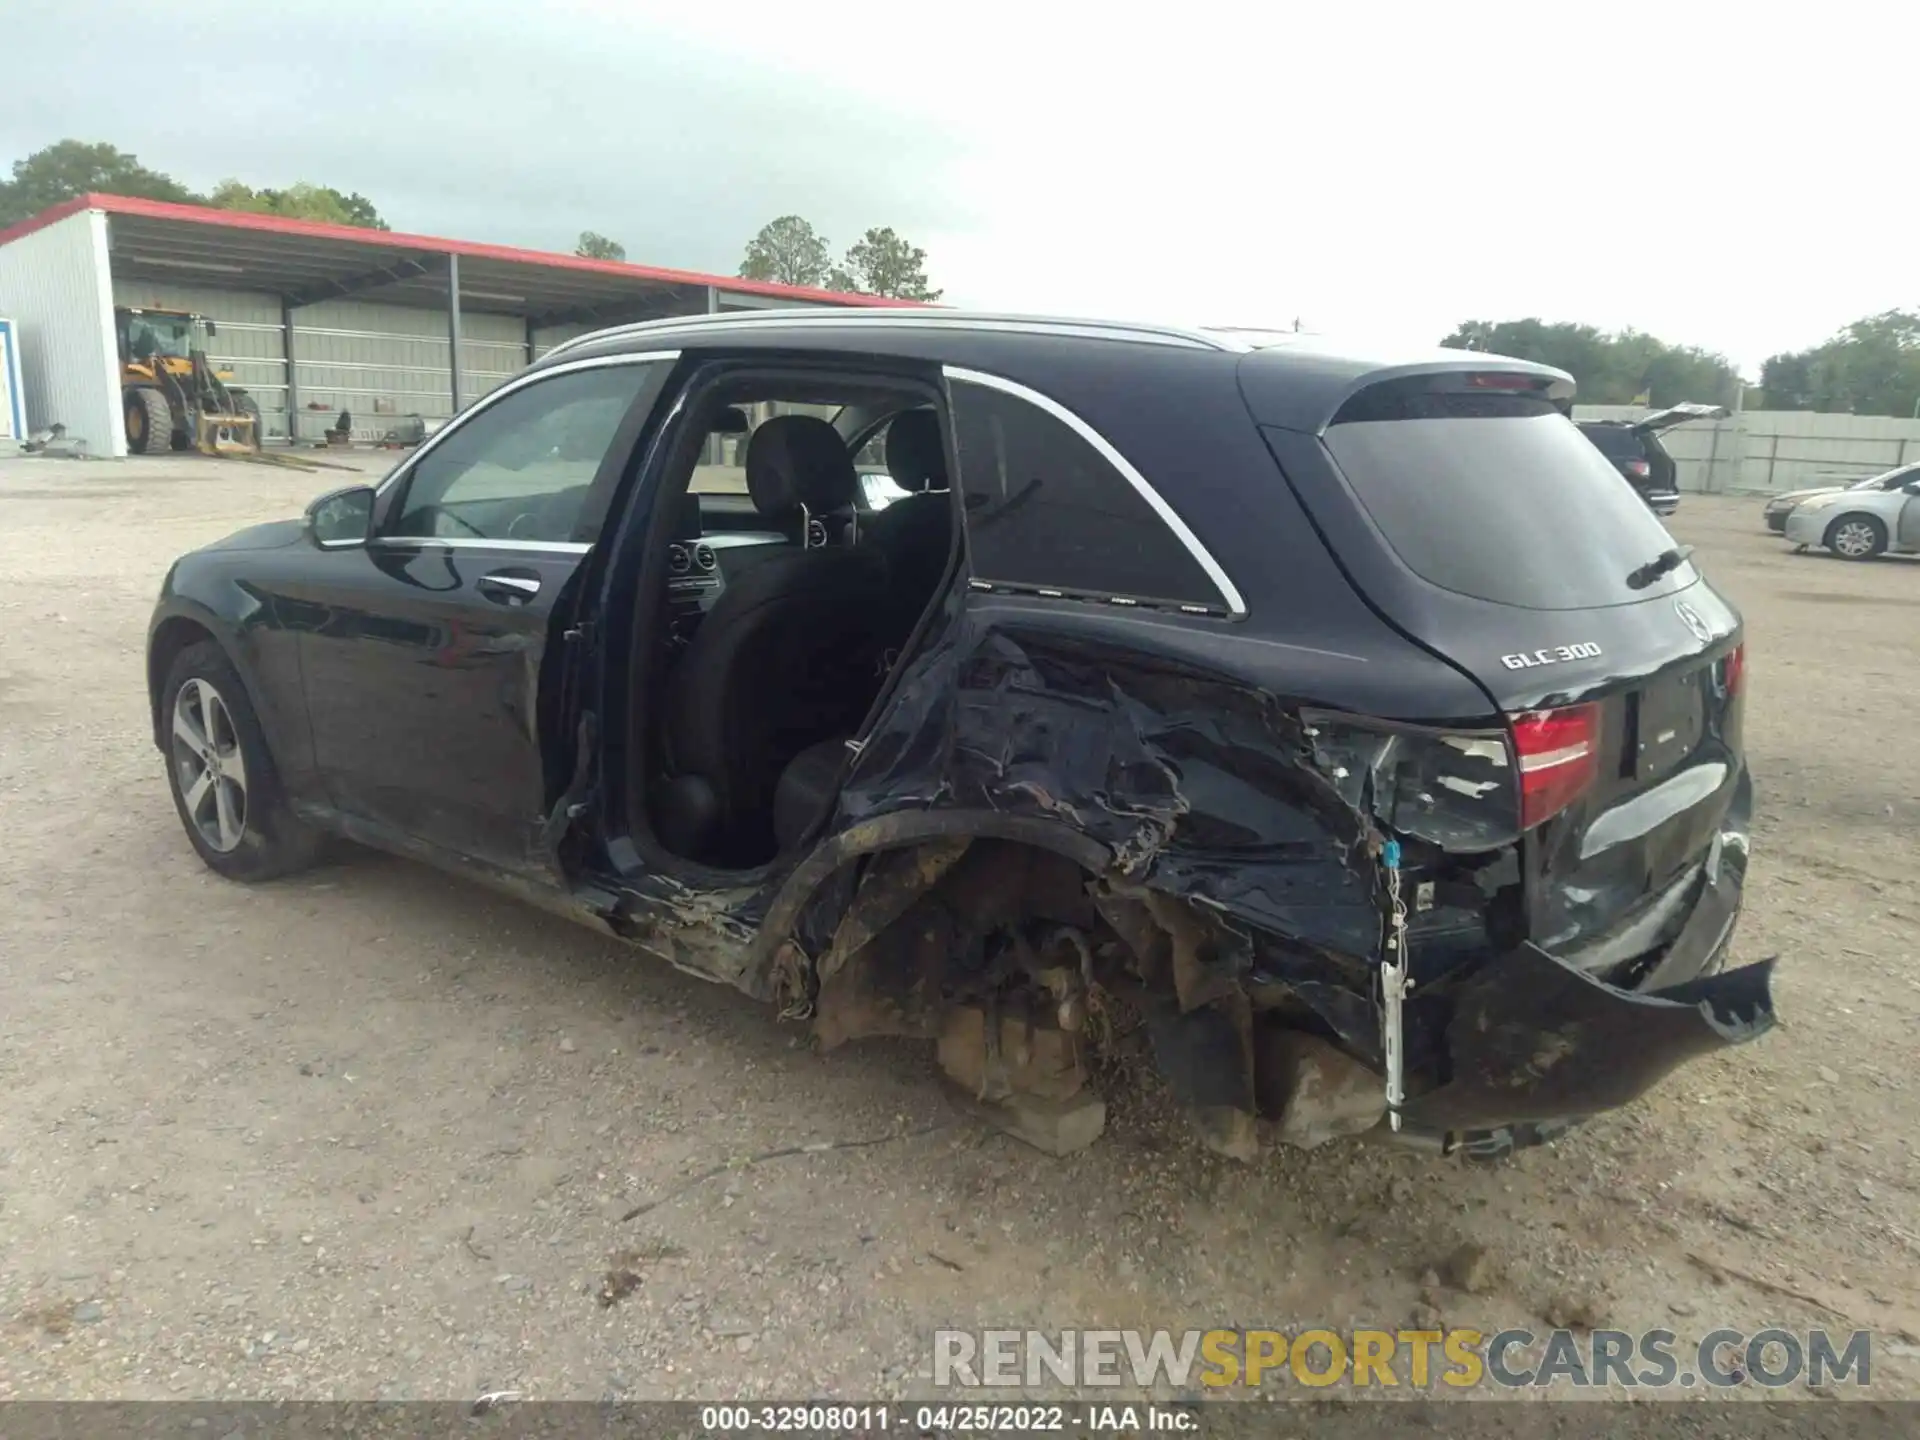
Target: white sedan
(1859, 524)
(1779, 507)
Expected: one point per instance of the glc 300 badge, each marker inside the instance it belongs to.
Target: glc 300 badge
(1556, 655)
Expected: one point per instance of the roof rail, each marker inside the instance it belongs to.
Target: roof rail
(916, 319)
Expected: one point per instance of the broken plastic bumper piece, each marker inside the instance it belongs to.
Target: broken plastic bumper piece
(1534, 1041)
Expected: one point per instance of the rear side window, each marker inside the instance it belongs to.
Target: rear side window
(1046, 510)
(1500, 497)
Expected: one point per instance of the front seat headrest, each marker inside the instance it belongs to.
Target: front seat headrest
(915, 457)
(795, 460)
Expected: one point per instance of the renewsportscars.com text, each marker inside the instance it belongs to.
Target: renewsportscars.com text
(1383, 1359)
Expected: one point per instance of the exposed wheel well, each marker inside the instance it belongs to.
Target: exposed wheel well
(174, 635)
(1035, 973)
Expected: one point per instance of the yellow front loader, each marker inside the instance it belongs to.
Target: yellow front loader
(170, 394)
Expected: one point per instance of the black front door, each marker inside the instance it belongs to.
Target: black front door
(428, 656)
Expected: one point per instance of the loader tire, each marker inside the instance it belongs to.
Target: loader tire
(149, 422)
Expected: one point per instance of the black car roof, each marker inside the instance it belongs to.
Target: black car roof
(1293, 380)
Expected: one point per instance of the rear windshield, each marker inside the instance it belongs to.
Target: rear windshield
(1615, 441)
(1502, 498)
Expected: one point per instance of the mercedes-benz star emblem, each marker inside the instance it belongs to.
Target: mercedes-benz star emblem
(1690, 617)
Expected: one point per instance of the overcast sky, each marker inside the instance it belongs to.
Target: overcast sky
(1708, 173)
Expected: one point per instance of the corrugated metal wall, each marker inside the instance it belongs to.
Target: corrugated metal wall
(248, 342)
(376, 362)
(548, 336)
(54, 286)
(384, 361)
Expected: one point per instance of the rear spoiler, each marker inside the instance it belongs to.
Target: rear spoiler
(1393, 396)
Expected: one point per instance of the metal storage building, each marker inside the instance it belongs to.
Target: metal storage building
(314, 319)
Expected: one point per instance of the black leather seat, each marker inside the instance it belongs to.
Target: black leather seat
(789, 656)
(808, 788)
(915, 532)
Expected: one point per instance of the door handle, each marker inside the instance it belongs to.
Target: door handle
(509, 586)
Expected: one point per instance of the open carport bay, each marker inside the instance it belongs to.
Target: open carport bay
(376, 1132)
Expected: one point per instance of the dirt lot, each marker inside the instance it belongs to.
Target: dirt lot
(373, 1132)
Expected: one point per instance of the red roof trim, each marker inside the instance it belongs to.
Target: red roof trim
(397, 240)
(47, 217)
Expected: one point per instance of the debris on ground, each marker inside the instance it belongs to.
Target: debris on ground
(1470, 1268)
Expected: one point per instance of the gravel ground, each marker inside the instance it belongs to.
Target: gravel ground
(375, 1133)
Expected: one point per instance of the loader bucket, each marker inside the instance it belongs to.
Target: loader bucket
(224, 434)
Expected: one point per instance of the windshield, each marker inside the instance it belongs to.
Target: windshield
(1500, 498)
(152, 334)
(1888, 480)
(880, 488)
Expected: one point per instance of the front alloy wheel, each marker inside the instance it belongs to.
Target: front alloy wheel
(221, 774)
(211, 769)
(1858, 537)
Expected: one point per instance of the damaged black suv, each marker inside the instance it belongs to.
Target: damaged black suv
(1334, 727)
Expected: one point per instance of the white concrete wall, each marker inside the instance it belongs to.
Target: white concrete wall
(54, 285)
(1767, 451)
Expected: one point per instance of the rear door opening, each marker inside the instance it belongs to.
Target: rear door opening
(767, 614)
(1482, 524)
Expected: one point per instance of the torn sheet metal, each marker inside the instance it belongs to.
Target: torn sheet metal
(1200, 788)
(1235, 848)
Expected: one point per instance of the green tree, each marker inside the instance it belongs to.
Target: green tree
(787, 251)
(1872, 367)
(1786, 382)
(360, 211)
(300, 201)
(882, 263)
(1611, 368)
(77, 167)
(595, 246)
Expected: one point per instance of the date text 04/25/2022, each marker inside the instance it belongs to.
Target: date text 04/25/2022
(972, 1419)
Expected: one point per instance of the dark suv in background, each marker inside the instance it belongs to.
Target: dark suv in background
(1636, 452)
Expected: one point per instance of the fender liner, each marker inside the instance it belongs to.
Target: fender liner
(896, 831)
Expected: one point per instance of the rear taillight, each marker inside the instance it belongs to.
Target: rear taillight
(1733, 670)
(1557, 753)
(1639, 469)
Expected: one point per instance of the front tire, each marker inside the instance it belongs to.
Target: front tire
(222, 778)
(1857, 537)
(149, 421)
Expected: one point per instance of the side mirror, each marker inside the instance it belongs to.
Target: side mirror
(1912, 487)
(212, 329)
(341, 519)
